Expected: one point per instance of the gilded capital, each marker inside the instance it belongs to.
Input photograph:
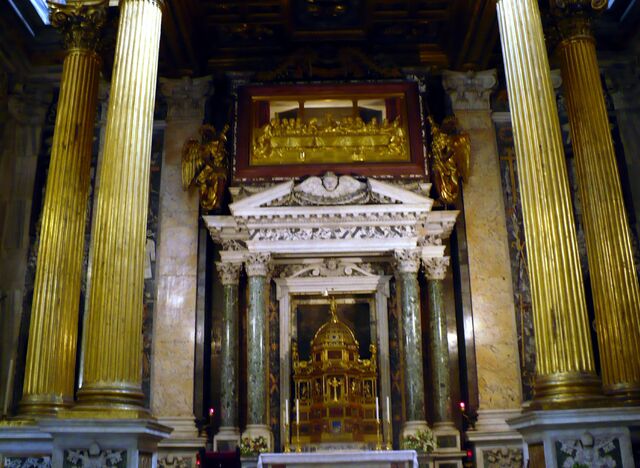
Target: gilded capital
(573, 17)
(407, 260)
(257, 264)
(80, 22)
(435, 268)
(229, 272)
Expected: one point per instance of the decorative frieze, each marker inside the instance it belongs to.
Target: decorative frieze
(171, 461)
(27, 462)
(94, 456)
(503, 458)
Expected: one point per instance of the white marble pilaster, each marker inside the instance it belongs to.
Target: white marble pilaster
(174, 321)
(487, 239)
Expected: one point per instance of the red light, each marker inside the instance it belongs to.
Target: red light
(469, 453)
(462, 405)
(212, 411)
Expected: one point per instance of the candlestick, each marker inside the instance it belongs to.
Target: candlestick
(298, 446)
(378, 435)
(287, 433)
(388, 411)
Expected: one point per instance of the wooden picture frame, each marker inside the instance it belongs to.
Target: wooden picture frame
(291, 130)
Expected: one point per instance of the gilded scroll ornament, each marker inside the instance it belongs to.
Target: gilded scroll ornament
(329, 140)
(450, 155)
(205, 165)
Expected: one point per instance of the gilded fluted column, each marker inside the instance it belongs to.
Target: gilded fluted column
(614, 283)
(113, 328)
(229, 353)
(53, 330)
(257, 269)
(565, 373)
(435, 271)
(407, 263)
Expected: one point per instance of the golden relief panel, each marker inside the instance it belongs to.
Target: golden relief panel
(331, 131)
(294, 130)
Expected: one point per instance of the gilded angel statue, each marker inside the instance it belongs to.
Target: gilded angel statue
(204, 164)
(450, 155)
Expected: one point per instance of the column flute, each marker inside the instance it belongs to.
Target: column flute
(113, 328)
(612, 272)
(53, 330)
(565, 371)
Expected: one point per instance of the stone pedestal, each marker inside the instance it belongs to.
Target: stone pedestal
(588, 437)
(494, 441)
(86, 442)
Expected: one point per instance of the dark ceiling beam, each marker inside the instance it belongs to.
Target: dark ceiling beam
(473, 33)
(182, 36)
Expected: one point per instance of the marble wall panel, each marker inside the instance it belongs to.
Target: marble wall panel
(172, 362)
(490, 272)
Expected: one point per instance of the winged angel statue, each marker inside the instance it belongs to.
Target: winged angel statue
(450, 155)
(204, 164)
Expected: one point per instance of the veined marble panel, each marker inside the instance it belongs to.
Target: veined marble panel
(489, 266)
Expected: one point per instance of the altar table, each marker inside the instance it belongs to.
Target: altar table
(369, 459)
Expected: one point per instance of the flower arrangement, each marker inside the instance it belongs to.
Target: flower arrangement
(421, 441)
(253, 446)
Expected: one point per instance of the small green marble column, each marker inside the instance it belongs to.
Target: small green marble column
(435, 271)
(257, 268)
(229, 354)
(407, 265)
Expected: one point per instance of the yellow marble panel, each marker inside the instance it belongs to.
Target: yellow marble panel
(490, 270)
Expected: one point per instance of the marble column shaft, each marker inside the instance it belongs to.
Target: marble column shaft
(230, 352)
(256, 266)
(435, 272)
(407, 264)
(612, 273)
(53, 329)
(565, 371)
(113, 328)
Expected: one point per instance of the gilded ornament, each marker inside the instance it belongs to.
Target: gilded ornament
(335, 389)
(450, 155)
(80, 22)
(327, 140)
(205, 165)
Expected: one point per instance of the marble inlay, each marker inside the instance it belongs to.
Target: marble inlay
(413, 370)
(439, 352)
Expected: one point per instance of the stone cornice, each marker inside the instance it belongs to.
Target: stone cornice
(470, 90)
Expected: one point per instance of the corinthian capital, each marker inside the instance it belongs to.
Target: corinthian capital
(257, 264)
(80, 22)
(574, 16)
(470, 90)
(229, 272)
(185, 97)
(435, 268)
(407, 260)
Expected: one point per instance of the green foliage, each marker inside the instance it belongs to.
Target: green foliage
(422, 441)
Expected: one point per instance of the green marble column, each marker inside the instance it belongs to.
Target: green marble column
(257, 266)
(407, 264)
(435, 272)
(229, 354)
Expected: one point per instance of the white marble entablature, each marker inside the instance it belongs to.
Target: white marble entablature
(393, 218)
